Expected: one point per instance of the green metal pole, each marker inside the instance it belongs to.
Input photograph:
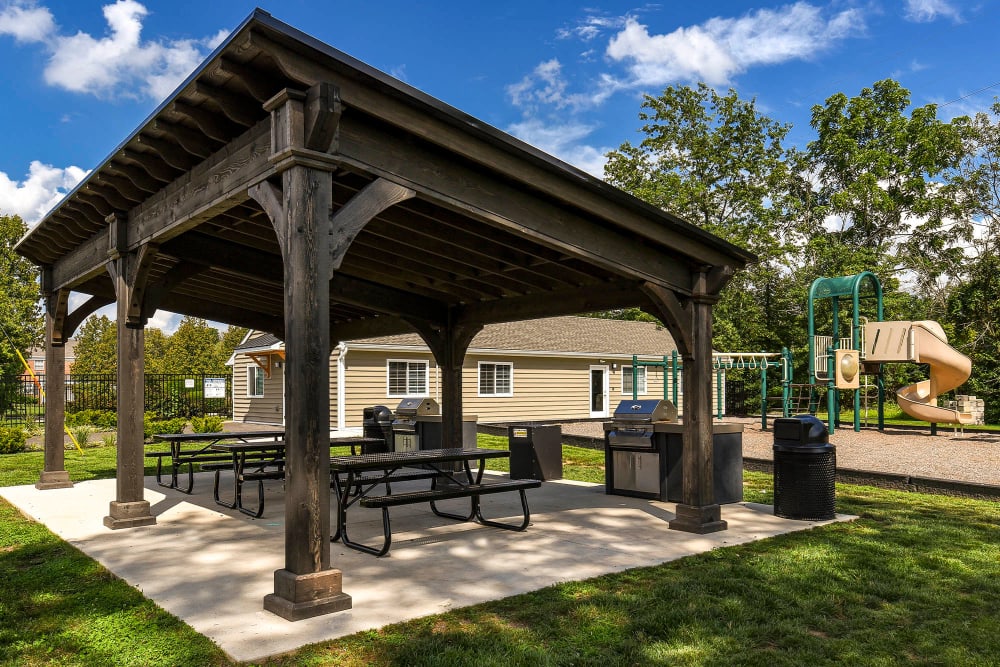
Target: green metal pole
(664, 365)
(673, 383)
(763, 394)
(831, 392)
(635, 377)
(718, 393)
(786, 383)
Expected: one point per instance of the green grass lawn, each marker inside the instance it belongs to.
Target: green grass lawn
(915, 580)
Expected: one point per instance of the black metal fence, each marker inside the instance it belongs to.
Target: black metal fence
(169, 395)
(742, 397)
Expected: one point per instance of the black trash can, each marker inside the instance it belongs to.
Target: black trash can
(377, 423)
(535, 451)
(805, 469)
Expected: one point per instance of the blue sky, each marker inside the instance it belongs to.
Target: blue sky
(568, 77)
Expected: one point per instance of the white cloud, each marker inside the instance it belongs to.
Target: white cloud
(563, 140)
(39, 192)
(720, 48)
(925, 11)
(120, 62)
(26, 22)
(547, 86)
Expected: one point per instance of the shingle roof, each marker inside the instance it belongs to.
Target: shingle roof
(264, 340)
(561, 334)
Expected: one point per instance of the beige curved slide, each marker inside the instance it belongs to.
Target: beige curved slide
(922, 342)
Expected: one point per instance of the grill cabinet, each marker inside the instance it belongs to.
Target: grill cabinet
(409, 429)
(635, 458)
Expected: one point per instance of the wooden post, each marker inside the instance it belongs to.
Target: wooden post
(54, 475)
(449, 343)
(690, 323)
(129, 271)
(301, 212)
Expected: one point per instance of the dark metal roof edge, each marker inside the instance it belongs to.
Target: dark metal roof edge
(257, 13)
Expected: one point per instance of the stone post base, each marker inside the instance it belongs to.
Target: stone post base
(54, 479)
(701, 520)
(299, 596)
(129, 515)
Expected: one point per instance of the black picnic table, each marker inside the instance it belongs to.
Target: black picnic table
(355, 477)
(202, 453)
(259, 461)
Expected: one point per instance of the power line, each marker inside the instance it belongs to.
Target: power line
(975, 92)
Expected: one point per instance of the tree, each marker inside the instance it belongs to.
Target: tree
(20, 310)
(154, 350)
(879, 176)
(193, 348)
(973, 311)
(96, 346)
(231, 337)
(716, 161)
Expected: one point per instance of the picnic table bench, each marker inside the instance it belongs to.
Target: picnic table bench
(259, 462)
(362, 474)
(181, 453)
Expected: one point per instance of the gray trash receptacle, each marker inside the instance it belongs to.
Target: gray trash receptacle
(805, 469)
(535, 451)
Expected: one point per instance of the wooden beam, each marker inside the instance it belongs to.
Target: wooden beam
(207, 122)
(464, 138)
(144, 183)
(348, 222)
(215, 185)
(188, 139)
(169, 152)
(81, 263)
(259, 86)
(676, 317)
(452, 184)
(83, 311)
(238, 109)
(548, 304)
(322, 117)
(151, 163)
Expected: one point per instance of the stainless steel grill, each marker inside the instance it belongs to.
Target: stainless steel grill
(406, 433)
(635, 456)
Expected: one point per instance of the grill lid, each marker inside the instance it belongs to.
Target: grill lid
(418, 407)
(645, 411)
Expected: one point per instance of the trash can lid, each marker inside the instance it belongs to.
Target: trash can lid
(800, 430)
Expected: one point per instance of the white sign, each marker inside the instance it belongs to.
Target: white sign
(189, 383)
(215, 387)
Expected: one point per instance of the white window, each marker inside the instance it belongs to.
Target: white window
(39, 365)
(628, 373)
(496, 379)
(406, 378)
(255, 381)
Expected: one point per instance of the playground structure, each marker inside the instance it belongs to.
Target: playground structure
(722, 362)
(839, 361)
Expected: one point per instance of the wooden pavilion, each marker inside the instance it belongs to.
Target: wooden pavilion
(288, 187)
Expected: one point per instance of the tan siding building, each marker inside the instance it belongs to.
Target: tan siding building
(555, 368)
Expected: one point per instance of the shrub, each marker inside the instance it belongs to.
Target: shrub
(207, 424)
(151, 425)
(13, 439)
(109, 440)
(82, 434)
(103, 420)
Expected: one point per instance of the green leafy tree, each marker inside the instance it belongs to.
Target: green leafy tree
(96, 346)
(879, 178)
(721, 164)
(193, 348)
(231, 337)
(20, 310)
(154, 350)
(972, 310)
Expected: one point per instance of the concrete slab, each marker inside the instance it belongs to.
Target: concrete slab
(212, 567)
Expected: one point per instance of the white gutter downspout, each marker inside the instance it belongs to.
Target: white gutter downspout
(341, 382)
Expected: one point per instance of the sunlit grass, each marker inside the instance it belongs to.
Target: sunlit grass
(916, 579)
